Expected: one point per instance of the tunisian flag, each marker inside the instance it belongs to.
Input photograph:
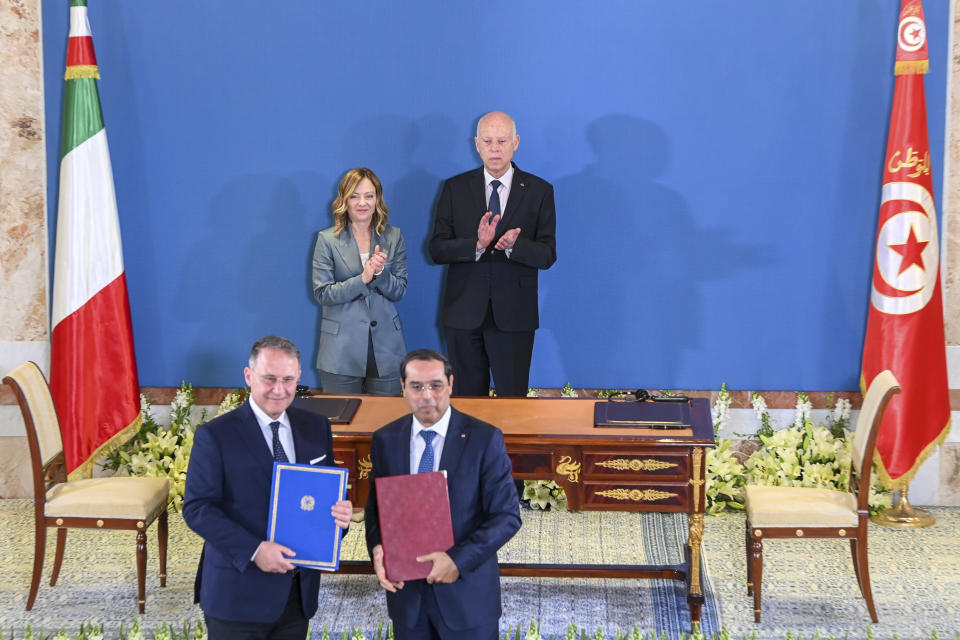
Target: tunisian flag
(93, 371)
(905, 320)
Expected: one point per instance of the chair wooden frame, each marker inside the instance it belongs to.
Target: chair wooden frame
(857, 536)
(53, 472)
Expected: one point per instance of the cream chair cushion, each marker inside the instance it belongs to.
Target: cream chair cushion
(800, 507)
(135, 498)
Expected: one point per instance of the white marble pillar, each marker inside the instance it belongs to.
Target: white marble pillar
(24, 321)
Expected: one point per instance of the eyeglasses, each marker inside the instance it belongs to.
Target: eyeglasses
(273, 380)
(433, 387)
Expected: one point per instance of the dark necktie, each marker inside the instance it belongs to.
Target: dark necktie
(278, 453)
(426, 460)
(494, 206)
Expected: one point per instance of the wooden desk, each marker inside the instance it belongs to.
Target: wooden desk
(599, 468)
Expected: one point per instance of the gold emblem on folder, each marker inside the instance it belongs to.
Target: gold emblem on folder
(306, 503)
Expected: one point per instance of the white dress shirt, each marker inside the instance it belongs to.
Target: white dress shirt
(506, 182)
(418, 445)
(286, 433)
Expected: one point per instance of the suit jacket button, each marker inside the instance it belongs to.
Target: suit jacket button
(373, 324)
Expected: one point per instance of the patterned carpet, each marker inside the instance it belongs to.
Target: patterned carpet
(807, 587)
(98, 580)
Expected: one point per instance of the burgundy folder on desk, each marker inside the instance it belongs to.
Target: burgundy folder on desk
(414, 521)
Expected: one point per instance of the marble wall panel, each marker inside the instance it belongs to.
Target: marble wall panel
(23, 232)
(949, 475)
(950, 269)
(16, 478)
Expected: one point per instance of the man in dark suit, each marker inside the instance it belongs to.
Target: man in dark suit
(245, 584)
(495, 227)
(460, 598)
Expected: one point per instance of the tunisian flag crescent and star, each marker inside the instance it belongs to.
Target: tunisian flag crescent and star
(905, 319)
(93, 372)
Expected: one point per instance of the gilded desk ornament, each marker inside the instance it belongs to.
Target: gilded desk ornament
(364, 467)
(697, 480)
(622, 464)
(59, 521)
(567, 467)
(307, 502)
(636, 495)
(696, 538)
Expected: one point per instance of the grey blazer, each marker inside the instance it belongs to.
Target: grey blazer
(352, 311)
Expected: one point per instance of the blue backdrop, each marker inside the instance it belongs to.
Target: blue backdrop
(717, 169)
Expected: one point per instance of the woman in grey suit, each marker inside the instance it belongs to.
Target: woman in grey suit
(359, 271)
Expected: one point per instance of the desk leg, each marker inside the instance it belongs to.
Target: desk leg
(695, 597)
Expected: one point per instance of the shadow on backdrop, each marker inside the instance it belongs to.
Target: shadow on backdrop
(625, 307)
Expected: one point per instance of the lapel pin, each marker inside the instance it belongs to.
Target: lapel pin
(463, 435)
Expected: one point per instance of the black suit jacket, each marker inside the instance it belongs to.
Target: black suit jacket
(510, 284)
(483, 506)
(227, 503)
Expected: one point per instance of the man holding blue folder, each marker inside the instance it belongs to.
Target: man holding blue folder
(246, 585)
(460, 598)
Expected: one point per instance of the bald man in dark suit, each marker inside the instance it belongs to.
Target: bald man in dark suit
(496, 229)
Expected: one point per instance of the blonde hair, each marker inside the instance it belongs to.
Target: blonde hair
(348, 184)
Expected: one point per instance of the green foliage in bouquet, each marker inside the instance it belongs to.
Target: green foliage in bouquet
(156, 451)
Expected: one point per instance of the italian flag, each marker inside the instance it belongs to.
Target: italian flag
(93, 370)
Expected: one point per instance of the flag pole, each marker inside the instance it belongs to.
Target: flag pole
(904, 515)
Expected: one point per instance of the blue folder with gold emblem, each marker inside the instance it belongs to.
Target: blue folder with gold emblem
(300, 501)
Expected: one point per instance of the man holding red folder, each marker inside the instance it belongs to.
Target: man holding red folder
(460, 598)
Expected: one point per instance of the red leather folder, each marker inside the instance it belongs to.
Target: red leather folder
(414, 521)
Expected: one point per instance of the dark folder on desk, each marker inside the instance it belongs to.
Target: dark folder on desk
(414, 521)
(646, 415)
(337, 410)
(300, 501)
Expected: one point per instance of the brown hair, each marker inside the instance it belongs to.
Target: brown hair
(348, 184)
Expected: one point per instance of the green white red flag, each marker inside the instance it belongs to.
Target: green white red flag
(905, 319)
(93, 371)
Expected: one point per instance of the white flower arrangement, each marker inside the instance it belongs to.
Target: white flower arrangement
(760, 409)
(721, 409)
(725, 479)
(804, 406)
(801, 455)
(164, 452)
(543, 494)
